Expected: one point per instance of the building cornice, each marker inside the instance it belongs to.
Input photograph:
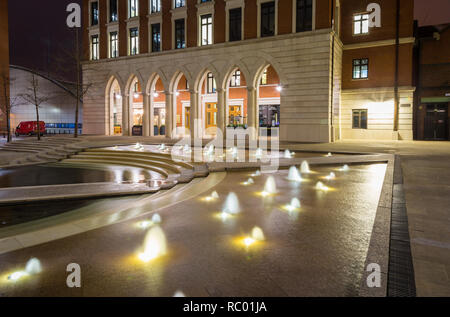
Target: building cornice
(404, 40)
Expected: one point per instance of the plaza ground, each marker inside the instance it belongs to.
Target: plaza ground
(426, 174)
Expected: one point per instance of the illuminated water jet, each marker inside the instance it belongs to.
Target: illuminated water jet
(294, 174)
(287, 154)
(304, 168)
(156, 219)
(321, 186)
(270, 186)
(33, 266)
(250, 181)
(214, 195)
(154, 245)
(345, 168)
(330, 177)
(256, 174)
(257, 234)
(231, 205)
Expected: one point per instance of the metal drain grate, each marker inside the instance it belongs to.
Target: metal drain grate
(401, 282)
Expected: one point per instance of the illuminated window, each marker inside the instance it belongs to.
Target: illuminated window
(360, 24)
(206, 29)
(360, 119)
(210, 84)
(360, 68)
(94, 47)
(94, 13)
(133, 8)
(264, 77)
(113, 45)
(236, 79)
(155, 6)
(180, 3)
(134, 41)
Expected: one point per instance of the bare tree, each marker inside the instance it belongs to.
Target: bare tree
(33, 96)
(70, 60)
(8, 101)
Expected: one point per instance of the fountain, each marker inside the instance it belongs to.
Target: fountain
(257, 173)
(294, 175)
(214, 195)
(257, 234)
(154, 245)
(33, 266)
(231, 205)
(156, 219)
(294, 205)
(329, 154)
(321, 186)
(345, 168)
(138, 146)
(330, 177)
(250, 181)
(162, 147)
(288, 154)
(271, 187)
(305, 168)
(179, 294)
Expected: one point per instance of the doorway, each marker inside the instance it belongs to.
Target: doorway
(436, 122)
(211, 115)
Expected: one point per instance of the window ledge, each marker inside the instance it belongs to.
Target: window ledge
(133, 19)
(207, 4)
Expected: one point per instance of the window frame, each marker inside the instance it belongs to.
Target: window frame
(209, 29)
(210, 81)
(259, 20)
(93, 15)
(239, 25)
(130, 11)
(110, 16)
(152, 37)
(111, 55)
(158, 6)
(296, 19)
(179, 4)
(360, 66)
(177, 22)
(359, 113)
(354, 22)
(95, 47)
(235, 80)
(131, 42)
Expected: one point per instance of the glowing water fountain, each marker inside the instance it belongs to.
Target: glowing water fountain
(257, 235)
(345, 168)
(329, 154)
(304, 168)
(231, 205)
(155, 245)
(294, 205)
(32, 267)
(320, 186)
(250, 181)
(256, 174)
(330, 177)
(270, 187)
(156, 219)
(214, 195)
(294, 175)
(162, 147)
(287, 154)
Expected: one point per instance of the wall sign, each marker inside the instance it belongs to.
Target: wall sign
(375, 15)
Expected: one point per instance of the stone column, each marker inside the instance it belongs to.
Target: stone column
(151, 114)
(169, 113)
(193, 114)
(221, 110)
(125, 115)
(252, 110)
(146, 116)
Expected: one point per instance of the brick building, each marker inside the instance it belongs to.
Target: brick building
(432, 72)
(307, 70)
(4, 61)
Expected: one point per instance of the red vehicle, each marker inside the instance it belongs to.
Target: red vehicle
(30, 128)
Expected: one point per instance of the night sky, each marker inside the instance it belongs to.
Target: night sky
(38, 30)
